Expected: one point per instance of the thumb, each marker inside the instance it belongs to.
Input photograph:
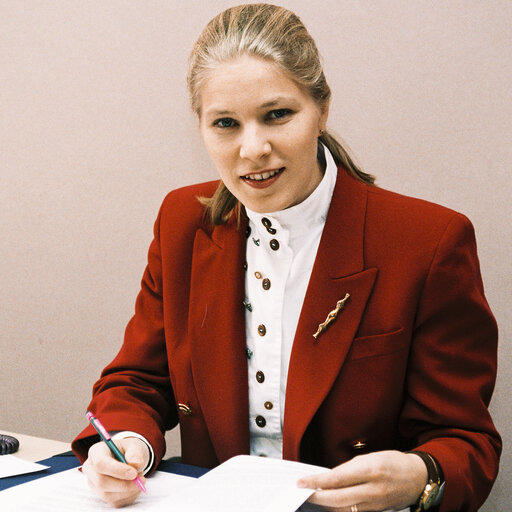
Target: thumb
(136, 453)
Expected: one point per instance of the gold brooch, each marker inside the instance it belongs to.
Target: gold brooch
(331, 316)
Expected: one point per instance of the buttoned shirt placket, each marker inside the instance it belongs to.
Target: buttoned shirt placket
(281, 250)
(268, 266)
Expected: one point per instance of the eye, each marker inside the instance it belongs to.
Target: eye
(279, 113)
(225, 122)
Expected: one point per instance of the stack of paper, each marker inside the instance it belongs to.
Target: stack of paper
(251, 484)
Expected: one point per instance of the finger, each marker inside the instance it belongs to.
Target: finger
(353, 472)
(102, 461)
(339, 498)
(112, 480)
(104, 483)
(119, 500)
(108, 484)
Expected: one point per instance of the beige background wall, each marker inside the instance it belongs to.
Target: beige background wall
(95, 129)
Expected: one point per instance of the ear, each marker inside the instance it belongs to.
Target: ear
(322, 122)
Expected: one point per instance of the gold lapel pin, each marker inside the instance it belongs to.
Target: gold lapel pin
(332, 315)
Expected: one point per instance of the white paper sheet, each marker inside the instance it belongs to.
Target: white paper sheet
(69, 491)
(249, 484)
(10, 465)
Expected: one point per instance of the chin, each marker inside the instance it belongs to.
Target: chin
(267, 207)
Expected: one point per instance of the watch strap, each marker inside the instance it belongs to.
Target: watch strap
(435, 479)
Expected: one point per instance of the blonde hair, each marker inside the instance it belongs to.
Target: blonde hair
(275, 34)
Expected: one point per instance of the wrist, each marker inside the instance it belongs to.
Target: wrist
(432, 492)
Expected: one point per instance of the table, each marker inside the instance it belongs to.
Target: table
(37, 448)
(56, 454)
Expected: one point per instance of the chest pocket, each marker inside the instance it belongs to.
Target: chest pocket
(378, 345)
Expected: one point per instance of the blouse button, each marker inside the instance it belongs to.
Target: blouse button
(274, 244)
(248, 232)
(262, 330)
(260, 377)
(261, 421)
(257, 275)
(266, 222)
(272, 231)
(268, 405)
(265, 283)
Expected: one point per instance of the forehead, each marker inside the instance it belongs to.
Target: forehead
(247, 82)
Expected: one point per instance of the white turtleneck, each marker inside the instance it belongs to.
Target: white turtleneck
(281, 250)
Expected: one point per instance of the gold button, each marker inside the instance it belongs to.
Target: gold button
(358, 445)
(262, 330)
(185, 409)
(257, 275)
(266, 284)
(268, 405)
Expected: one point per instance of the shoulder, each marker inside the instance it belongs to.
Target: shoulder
(186, 197)
(408, 231)
(418, 218)
(182, 209)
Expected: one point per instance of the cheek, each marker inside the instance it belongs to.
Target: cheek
(303, 135)
(214, 149)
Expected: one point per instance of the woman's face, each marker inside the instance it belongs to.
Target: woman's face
(261, 130)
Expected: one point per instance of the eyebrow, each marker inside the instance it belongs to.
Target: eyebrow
(271, 103)
(279, 99)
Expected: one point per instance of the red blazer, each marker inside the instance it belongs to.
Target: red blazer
(409, 363)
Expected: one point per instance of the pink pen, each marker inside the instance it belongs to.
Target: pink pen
(105, 436)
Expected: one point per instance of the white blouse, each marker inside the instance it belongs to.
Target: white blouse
(281, 250)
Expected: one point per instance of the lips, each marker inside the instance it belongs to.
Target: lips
(265, 175)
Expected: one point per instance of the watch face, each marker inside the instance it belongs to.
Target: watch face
(430, 495)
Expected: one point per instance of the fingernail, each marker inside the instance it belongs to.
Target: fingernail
(302, 483)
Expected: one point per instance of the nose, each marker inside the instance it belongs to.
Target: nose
(254, 143)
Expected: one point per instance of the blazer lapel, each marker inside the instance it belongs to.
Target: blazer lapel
(338, 270)
(217, 336)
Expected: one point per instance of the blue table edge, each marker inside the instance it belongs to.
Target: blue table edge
(68, 460)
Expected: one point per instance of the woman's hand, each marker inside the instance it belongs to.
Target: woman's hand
(387, 480)
(111, 479)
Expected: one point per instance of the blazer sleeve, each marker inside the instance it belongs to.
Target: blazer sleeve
(452, 371)
(134, 391)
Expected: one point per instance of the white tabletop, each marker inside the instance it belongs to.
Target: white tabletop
(37, 448)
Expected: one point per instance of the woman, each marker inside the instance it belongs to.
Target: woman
(295, 310)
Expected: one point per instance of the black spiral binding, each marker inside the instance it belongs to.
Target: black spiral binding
(8, 444)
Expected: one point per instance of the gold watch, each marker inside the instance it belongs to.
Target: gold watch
(433, 491)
